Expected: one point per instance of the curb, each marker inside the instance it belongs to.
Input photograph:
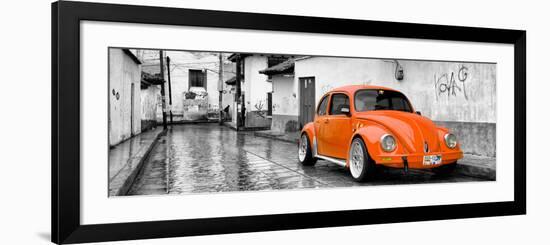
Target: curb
(476, 171)
(260, 134)
(125, 188)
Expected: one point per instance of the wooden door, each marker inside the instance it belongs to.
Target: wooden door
(307, 100)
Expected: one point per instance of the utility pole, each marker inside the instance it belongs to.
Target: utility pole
(220, 88)
(162, 93)
(238, 90)
(169, 88)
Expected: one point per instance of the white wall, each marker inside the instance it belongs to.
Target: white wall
(256, 85)
(26, 210)
(474, 99)
(149, 102)
(123, 72)
(285, 95)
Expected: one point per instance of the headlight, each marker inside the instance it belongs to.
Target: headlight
(451, 141)
(387, 142)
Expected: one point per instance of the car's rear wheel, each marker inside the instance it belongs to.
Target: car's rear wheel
(446, 169)
(361, 167)
(305, 154)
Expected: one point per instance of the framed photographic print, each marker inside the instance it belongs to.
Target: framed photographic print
(176, 122)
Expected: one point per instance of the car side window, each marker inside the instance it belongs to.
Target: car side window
(337, 103)
(322, 110)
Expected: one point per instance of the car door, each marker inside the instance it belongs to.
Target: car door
(337, 127)
(320, 118)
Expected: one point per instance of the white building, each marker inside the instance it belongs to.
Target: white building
(256, 88)
(132, 100)
(194, 79)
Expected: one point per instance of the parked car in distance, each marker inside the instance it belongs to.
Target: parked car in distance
(361, 127)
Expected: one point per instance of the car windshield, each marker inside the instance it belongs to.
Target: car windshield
(379, 99)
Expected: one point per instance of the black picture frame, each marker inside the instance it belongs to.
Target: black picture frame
(65, 161)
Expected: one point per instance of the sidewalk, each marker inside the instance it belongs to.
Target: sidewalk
(126, 159)
(470, 165)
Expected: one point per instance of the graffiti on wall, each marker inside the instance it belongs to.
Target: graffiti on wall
(451, 84)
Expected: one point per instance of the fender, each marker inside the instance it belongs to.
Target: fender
(309, 129)
(371, 137)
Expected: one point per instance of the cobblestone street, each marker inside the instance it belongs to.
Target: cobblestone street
(196, 158)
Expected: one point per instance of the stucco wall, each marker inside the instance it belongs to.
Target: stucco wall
(149, 106)
(285, 95)
(256, 84)
(285, 104)
(256, 87)
(123, 72)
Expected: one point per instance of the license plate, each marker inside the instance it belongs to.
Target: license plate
(432, 160)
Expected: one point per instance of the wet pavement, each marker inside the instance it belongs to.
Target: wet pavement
(198, 158)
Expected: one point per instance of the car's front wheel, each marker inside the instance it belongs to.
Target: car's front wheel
(305, 154)
(361, 167)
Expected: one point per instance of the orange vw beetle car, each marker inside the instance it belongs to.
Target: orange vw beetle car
(361, 127)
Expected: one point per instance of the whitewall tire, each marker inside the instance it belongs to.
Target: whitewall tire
(361, 167)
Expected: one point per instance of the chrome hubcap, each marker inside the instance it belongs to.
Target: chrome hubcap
(302, 149)
(356, 159)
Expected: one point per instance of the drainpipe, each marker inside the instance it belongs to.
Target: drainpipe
(169, 88)
(238, 90)
(220, 88)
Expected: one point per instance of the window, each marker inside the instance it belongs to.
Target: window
(197, 78)
(338, 102)
(322, 110)
(374, 99)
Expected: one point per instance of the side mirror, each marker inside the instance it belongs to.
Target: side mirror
(345, 110)
(418, 112)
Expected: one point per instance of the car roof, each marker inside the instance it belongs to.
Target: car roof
(352, 88)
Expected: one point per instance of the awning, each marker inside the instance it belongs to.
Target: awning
(231, 81)
(148, 79)
(285, 67)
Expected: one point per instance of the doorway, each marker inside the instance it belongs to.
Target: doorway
(307, 100)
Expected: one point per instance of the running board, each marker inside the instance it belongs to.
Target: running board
(333, 160)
